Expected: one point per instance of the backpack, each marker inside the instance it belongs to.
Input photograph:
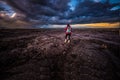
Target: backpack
(68, 30)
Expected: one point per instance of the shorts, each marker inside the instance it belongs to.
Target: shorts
(67, 36)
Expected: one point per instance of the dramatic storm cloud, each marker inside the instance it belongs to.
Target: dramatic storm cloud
(95, 11)
(69, 11)
(51, 11)
(78, 11)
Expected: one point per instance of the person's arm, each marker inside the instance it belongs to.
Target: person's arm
(65, 28)
(71, 29)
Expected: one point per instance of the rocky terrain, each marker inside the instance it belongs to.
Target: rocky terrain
(93, 54)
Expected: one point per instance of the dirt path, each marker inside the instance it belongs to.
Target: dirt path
(47, 57)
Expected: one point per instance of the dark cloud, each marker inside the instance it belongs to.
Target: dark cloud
(59, 12)
(41, 2)
(51, 11)
(88, 10)
(59, 5)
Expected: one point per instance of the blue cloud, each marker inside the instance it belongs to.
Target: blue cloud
(61, 11)
(8, 9)
(73, 4)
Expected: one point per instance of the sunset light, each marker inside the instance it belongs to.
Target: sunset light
(98, 25)
(13, 15)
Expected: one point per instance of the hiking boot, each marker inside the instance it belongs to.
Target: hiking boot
(65, 40)
(68, 41)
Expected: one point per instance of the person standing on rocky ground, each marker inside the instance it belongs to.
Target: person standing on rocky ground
(68, 32)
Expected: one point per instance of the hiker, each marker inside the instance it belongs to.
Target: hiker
(68, 31)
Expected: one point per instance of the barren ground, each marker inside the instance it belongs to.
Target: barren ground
(93, 54)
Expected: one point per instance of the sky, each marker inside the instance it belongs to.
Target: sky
(79, 11)
(7, 8)
(70, 11)
(73, 4)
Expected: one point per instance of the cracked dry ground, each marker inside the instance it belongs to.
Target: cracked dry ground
(42, 55)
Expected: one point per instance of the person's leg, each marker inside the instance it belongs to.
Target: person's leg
(65, 38)
(69, 38)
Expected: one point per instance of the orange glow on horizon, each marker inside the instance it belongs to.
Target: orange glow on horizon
(99, 25)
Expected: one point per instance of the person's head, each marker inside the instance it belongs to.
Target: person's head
(68, 25)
